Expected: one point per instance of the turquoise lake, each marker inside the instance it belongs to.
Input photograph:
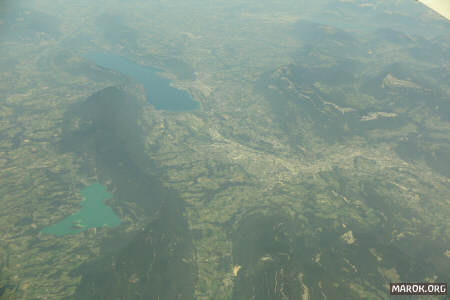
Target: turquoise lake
(93, 213)
(159, 93)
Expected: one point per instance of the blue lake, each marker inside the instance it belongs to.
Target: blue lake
(159, 93)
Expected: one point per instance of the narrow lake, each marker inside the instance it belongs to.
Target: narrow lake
(158, 90)
(93, 213)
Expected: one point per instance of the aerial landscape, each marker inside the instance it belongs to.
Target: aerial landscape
(223, 149)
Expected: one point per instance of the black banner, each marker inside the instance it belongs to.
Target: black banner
(418, 288)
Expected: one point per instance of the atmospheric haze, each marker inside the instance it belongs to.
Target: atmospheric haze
(227, 150)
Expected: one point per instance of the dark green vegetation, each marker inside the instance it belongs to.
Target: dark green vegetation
(342, 93)
(7, 289)
(104, 131)
(157, 262)
(435, 152)
(313, 253)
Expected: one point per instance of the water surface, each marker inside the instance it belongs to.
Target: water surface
(158, 90)
(93, 213)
